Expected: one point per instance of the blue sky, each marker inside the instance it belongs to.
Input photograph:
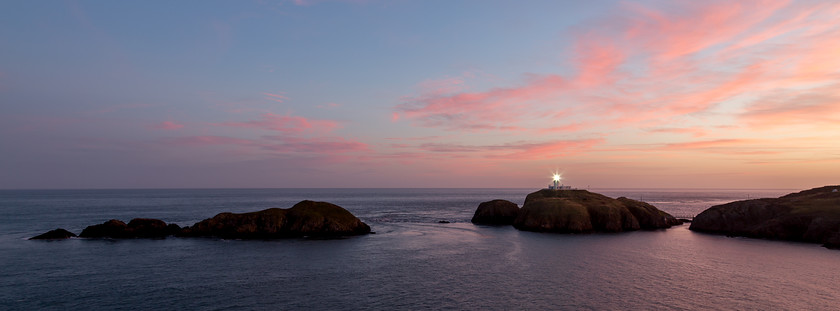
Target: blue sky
(115, 94)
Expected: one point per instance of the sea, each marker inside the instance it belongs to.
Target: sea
(412, 262)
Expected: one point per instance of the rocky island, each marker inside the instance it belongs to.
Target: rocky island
(496, 212)
(307, 218)
(577, 211)
(807, 216)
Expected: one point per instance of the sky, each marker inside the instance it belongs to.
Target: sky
(368, 93)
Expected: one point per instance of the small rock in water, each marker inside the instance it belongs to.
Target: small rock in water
(57, 234)
(443, 222)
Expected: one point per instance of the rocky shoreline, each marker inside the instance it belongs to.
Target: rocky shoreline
(807, 216)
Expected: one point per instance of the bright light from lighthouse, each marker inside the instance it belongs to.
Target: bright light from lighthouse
(556, 177)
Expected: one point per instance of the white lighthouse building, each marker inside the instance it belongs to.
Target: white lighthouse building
(556, 185)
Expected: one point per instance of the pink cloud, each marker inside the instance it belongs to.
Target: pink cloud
(597, 61)
(275, 97)
(693, 131)
(414, 138)
(286, 124)
(168, 125)
(563, 128)
(652, 68)
(492, 109)
(693, 26)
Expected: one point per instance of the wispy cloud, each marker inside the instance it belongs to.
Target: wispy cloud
(168, 125)
(209, 140)
(323, 145)
(274, 144)
(285, 123)
(651, 68)
(812, 109)
(706, 144)
(517, 150)
(276, 97)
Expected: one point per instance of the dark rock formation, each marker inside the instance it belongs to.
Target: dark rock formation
(809, 216)
(496, 212)
(307, 218)
(151, 228)
(573, 211)
(109, 229)
(136, 228)
(56, 234)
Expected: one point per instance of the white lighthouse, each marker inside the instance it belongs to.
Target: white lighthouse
(556, 183)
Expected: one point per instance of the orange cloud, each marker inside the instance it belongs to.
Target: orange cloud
(696, 132)
(816, 108)
(706, 144)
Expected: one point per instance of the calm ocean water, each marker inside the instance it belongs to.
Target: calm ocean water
(411, 263)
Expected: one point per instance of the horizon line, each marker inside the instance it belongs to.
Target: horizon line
(350, 188)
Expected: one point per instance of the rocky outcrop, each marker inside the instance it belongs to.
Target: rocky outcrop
(576, 211)
(112, 229)
(496, 212)
(307, 218)
(57, 234)
(136, 228)
(809, 216)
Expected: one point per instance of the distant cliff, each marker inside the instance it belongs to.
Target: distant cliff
(809, 216)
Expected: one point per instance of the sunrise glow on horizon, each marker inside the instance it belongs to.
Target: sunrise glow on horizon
(320, 93)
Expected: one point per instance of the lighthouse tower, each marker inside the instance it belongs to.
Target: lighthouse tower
(556, 185)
